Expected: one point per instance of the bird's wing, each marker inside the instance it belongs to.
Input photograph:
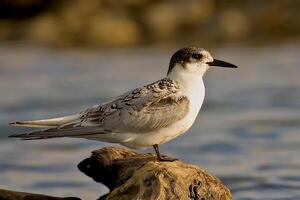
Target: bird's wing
(144, 109)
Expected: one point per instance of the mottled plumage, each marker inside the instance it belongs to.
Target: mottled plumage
(148, 108)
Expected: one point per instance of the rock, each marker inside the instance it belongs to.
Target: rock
(129, 175)
(12, 195)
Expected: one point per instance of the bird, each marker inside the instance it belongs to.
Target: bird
(147, 116)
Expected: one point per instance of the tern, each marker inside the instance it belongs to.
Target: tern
(146, 116)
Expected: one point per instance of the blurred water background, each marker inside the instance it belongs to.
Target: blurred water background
(60, 58)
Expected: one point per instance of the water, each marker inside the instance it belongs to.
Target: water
(247, 132)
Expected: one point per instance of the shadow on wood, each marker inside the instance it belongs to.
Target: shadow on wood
(129, 175)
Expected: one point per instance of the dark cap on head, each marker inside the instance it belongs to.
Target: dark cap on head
(196, 54)
(184, 55)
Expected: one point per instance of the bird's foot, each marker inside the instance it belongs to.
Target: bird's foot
(166, 159)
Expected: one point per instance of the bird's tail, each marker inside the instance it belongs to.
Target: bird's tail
(77, 132)
(57, 127)
(47, 123)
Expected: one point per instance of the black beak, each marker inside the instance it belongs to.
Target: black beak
(220, 63)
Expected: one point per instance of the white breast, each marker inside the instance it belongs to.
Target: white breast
(192, 87)
(196, 95)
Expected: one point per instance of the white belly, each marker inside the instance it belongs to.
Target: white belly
(160, 136)
(146, 139)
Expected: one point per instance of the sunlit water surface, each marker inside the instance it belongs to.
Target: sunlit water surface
(247, 132)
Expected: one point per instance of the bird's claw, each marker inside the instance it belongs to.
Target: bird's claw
(166, 159)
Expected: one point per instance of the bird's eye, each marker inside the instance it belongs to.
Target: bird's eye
(196, 56)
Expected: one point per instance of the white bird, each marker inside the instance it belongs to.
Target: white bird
(146, 116)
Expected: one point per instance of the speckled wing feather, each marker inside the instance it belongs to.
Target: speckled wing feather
(144, 109)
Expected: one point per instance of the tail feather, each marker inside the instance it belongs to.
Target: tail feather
(81, 132)
(68, 126)
(47, 123)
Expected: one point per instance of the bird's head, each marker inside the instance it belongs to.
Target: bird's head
(194, 60)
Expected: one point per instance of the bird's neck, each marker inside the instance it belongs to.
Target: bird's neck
(192, 87)
(191, 83)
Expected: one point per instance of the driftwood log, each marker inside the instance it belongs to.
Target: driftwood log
(13, 195)
(131, 176)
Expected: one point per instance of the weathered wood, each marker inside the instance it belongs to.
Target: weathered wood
(129, 175)
(13, 195)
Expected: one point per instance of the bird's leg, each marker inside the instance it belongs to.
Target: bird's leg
(159, 157)
(156, 148)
